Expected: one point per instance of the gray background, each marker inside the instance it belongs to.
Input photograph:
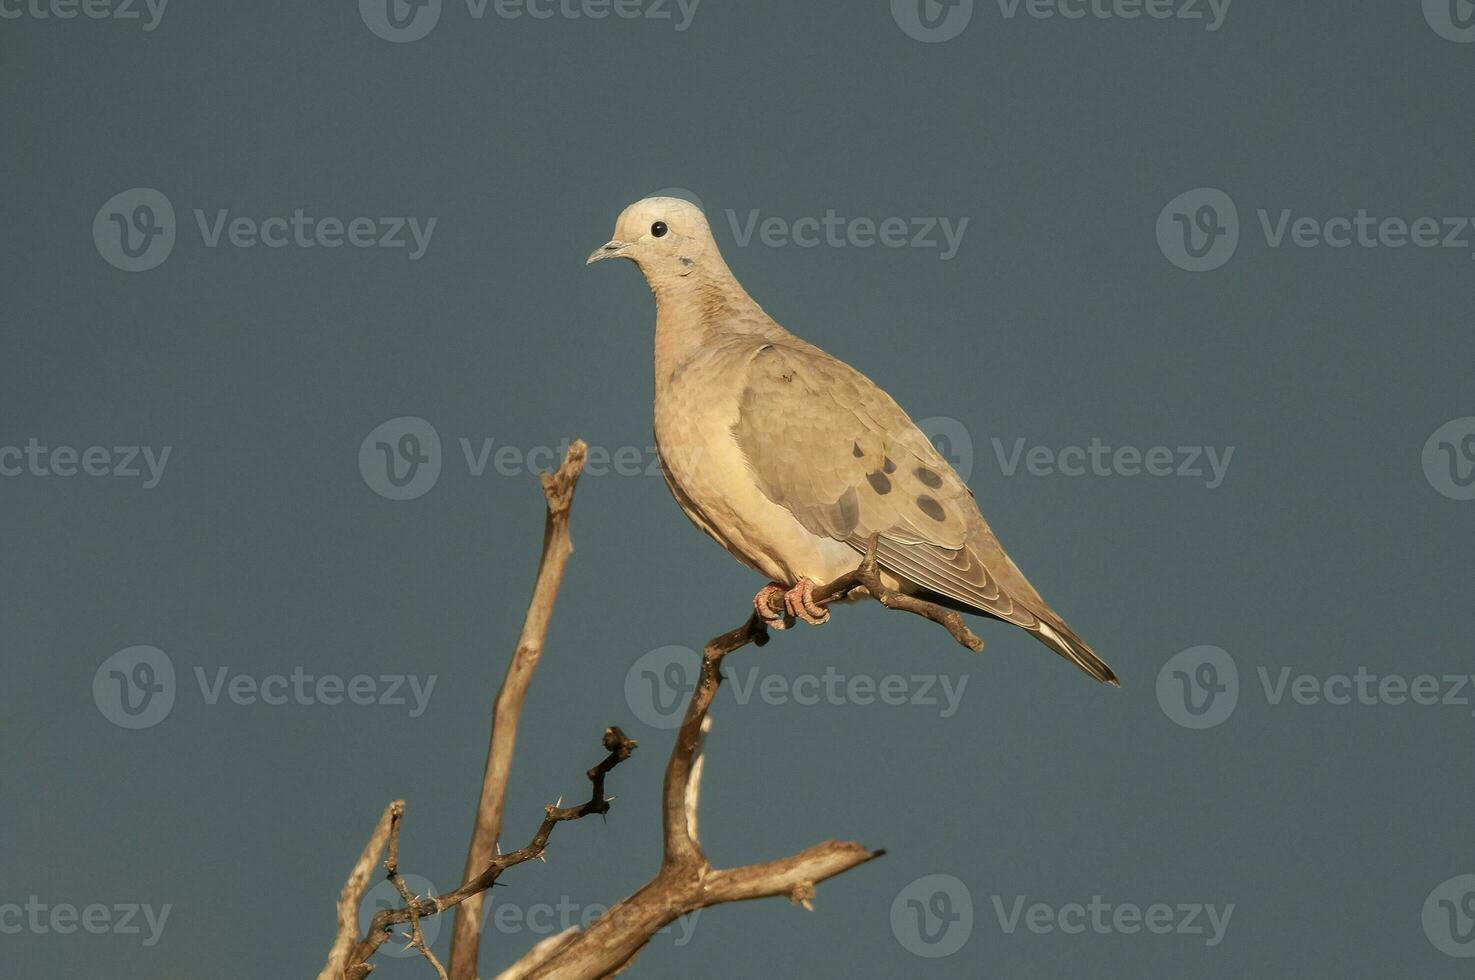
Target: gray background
(1060, 320)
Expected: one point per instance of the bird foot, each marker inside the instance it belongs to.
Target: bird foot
(800, 601)
(798, 604)
(762, 605)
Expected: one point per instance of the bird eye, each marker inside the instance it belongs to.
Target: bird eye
(658, 229)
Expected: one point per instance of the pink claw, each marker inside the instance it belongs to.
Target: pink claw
(800, 602)
(762, 605)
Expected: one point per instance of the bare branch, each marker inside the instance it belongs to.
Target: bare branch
(558, 489)
(615, 938)
(794, 876)
(391, 869)
(694, 785)
(353, 894)
(356, 965)
(687, 881)
(681, 847)
(535, 957)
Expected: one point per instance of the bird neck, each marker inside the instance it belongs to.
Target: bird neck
(699, 308)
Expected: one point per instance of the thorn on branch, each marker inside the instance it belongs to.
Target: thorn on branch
(355, 961)
(412, 903)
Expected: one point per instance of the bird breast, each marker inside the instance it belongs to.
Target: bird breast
(695, 410)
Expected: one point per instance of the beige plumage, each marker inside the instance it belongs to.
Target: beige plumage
(792, 460)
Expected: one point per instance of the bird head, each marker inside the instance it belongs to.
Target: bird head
(666, 237)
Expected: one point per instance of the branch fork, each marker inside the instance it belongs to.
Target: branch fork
(686, 880)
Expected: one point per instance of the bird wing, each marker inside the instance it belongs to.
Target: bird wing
(827, 444)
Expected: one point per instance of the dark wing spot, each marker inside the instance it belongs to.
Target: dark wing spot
(878, 483)
(888, 465)
(856, 451)
(928, 477)
(931, 508)
(847, 511)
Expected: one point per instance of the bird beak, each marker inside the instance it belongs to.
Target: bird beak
(609, 250)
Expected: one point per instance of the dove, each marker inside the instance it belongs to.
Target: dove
(794, 461)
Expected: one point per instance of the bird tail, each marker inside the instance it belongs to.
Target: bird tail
(1064, 641)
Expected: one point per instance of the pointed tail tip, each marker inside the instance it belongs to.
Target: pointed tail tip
(1098, 669)
(1064, 641)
